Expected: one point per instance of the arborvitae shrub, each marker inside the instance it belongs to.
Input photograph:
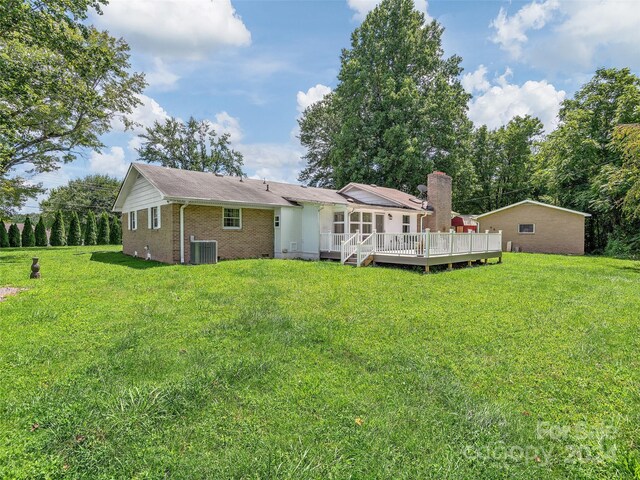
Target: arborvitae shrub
(115, 231)
(74, 238)
(58, 237)
(14, 236)
(103, 229)
(41, 234)
(4, 236)
(28, 236)
(90, 229)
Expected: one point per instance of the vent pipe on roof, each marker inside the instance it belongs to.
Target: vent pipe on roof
(267, 187)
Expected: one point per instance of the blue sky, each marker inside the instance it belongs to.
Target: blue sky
(250, 67)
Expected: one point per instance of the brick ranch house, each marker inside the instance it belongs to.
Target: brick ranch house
(164, 209)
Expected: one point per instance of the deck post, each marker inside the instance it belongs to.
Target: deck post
(450, 266)
(427, 234)
(469, 263)
(470, 241)
(451, 241)
(426, 268)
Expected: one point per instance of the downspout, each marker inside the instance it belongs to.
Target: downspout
(182, 207)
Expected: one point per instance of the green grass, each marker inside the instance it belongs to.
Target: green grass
(260, 369)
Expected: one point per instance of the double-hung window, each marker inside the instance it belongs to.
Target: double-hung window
(354, 222)
(231, 218)
(406, 224)
(338, 222)
(367, 223)
(154, 218)
(133, 220)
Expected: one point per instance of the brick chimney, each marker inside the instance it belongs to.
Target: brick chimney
(439, 198)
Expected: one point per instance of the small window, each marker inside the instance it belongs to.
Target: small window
(338, 222)
(406, 224)
(231, 218)
(133, 220)
(154, 218)
(276, 221)
(527, 228)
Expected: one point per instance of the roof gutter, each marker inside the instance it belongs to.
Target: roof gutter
(182, 207)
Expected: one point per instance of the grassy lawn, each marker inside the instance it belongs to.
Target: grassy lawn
(115, 367)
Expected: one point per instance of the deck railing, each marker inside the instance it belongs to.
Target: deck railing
(426, 244)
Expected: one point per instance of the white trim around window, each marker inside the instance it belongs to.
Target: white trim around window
(231, 218)
(526, 228)
(153, 218)
(133, 220)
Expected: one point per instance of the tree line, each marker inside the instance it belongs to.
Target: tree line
(105, 230)
(399, 112)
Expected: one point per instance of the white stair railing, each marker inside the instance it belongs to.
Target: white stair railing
(365, 248)
(349, 246)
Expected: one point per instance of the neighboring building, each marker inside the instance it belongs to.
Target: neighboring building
(531, 226)
(463, 223)
(164, 209)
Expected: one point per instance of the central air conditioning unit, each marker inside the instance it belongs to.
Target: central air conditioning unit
(203, 252)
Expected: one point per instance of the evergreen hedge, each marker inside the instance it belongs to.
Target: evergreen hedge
(58, 237)
(90, 237)
(4, 236)
(115, 231)
(103, 229)
(75, 237)
(41, 234)
(14, 236)
(28, 236)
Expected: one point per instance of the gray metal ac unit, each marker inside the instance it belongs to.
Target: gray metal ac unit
(204, 252)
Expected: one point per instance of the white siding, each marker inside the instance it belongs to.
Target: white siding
(142, 195)
(310, 230)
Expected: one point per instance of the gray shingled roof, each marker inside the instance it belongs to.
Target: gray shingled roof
(185, 184)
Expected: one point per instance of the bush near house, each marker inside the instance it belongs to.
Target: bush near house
(115, 231)
(113, 367)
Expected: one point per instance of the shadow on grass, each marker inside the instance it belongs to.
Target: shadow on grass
(122, 260)
(632, 268)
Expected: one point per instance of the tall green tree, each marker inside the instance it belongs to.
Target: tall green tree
(28, 235)
(58, 237)
(190, 145)
(62, 83)
(103, 229)
(90, 234)
(398, 111)
(578, 160)
(14, 236)
(115, 231)
(74, 238)
(92, 193)
(41, 233)
(4, 236)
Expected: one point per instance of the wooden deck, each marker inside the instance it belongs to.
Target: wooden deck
(422, 249)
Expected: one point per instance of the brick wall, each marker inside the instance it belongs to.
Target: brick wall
(555, 232)
(159, 241)
(253, 240)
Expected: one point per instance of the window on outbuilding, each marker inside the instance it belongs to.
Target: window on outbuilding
(527, 228)
(232, 218)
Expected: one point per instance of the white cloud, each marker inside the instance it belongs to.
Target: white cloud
(311, 96)
(476, 81)
(225, 123)
(362, 7)
(110, 163)
(161, 77)
(178, 28)
(501, 102)
(144, 115)
(511, 32)
(273, 161)
(593, 34)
